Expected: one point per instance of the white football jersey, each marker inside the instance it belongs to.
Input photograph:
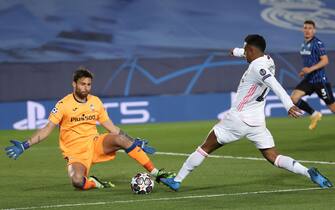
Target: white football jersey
(255, 84)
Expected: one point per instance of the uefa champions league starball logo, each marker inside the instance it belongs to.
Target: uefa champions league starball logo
(291, 14)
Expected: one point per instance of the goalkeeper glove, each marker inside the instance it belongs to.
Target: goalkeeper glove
(17, 149)
(144, 145)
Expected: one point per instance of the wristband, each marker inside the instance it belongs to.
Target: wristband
(25, 145)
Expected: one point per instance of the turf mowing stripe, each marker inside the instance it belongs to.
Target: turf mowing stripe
(164, 199)
(243, 158)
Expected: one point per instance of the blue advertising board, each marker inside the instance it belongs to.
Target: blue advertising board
(33, 114)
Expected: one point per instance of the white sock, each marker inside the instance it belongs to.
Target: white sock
(291, 165)
(154, 172)
(194, 160)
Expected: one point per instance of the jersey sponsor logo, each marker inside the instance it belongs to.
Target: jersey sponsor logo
(83, 118)
(291, 14)
(305, 52)
(262, 72)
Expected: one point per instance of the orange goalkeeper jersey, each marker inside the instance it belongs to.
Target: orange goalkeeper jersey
(77, 122)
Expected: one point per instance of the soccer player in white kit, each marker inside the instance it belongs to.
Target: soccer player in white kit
(246, 117)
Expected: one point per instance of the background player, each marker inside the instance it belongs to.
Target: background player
(246, 118)
(80, 143)
(315, 59)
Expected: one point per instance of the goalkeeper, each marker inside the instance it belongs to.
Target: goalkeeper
(80, 143)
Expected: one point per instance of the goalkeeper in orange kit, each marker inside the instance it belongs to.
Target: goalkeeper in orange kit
(80, 143)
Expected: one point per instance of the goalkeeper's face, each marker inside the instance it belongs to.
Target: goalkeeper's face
(82, 87)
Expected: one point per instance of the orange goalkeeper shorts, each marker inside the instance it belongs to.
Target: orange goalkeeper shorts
(93, 154)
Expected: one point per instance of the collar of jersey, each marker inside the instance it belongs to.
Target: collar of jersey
(79, 101)
(310, 40)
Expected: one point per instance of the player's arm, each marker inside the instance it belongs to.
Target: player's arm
(275, 86)
(237, 52)
(41, 134)
(322, 63)
(19, 147)
(109, 125)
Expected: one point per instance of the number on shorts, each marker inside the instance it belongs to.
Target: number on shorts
(324, 93)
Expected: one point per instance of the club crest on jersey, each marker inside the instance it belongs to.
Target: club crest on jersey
(262, 72)
(92, 107)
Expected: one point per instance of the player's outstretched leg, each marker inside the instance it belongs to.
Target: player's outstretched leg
(294, 166)
(77, 174)
(315, 118)
(288, 163)
(137, 153)
(303, 105)
(100, 184)
(171, 183)
(319, 179)
(163, 174)
(193, 161)
(136, 150)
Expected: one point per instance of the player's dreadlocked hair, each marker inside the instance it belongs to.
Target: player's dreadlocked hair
(81, 72)
(256, 41)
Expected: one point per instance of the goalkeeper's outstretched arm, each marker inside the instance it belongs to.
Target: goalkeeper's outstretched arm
(19, 147)
(41, 134)
(109, 125)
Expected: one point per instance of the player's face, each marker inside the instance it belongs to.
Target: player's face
(309, 31)
(248, 53)
(82, 87)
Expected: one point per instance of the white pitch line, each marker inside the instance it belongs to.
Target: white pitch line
(164, 199)
(243, 158)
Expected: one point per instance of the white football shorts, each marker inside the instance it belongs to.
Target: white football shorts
(231, 128)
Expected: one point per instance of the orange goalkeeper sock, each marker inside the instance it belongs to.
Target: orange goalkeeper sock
(141, 157)
(88, 184)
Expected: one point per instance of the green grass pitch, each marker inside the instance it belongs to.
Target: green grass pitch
(38, 179)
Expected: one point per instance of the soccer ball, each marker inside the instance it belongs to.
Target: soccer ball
(142, 183)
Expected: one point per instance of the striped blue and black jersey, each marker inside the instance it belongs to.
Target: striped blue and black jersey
(311, 52)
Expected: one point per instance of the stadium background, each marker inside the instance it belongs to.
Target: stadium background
(158, 61)
(154, 61)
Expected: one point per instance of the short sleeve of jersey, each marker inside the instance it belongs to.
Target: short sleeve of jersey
(103, 115)
(320, 48)
(56, 114)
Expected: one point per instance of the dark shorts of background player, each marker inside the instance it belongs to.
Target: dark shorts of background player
(324, 90)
